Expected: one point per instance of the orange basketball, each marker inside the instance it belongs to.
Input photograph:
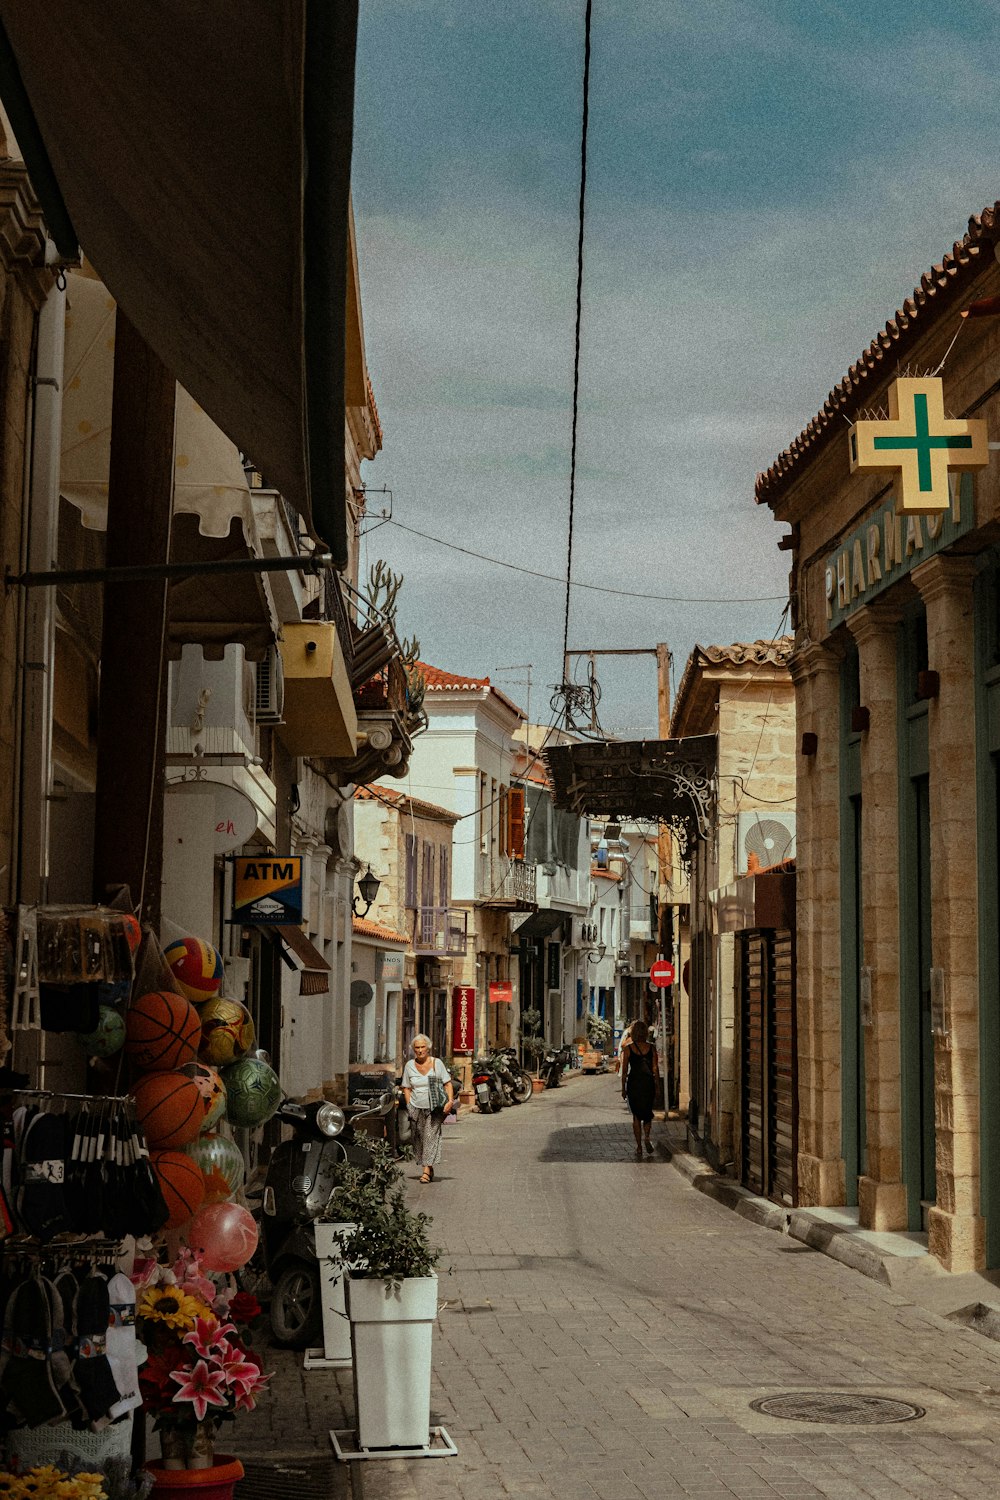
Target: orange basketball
(170, 1108)
(181, 1183)
(162, 1031)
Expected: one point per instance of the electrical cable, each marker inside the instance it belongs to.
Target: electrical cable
(579, 315)
(596, 588)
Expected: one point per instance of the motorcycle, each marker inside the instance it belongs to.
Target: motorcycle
(300, 1177)
(487, 1087)
(553, 1063)
(514, 1081)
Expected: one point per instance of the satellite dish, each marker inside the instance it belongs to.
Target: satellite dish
(361, 993)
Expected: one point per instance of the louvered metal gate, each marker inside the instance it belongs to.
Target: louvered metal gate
(768, 1073)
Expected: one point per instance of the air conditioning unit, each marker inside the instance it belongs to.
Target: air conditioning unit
(269, 699)
(767, 834)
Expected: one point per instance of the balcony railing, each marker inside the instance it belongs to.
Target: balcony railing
(441, 931)
(508, 882)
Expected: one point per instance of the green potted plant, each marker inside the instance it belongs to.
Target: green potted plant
(598, 1032)
(391, 1284)
(533, 1044)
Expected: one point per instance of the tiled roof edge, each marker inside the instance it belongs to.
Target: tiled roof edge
(941, 284)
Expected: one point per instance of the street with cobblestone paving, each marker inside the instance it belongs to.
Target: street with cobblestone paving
(605, 1327)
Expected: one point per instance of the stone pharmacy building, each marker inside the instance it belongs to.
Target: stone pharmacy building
(896, 666)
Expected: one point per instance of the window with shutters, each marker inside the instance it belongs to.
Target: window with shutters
(443, 872)
(502, 807)
(515, 822)
(427, 874)
(411, 870)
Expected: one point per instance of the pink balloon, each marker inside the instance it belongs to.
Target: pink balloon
(224, 1235)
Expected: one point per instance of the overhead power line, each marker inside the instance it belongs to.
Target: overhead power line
(596, 588)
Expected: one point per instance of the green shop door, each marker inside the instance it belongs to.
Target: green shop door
(916, 1039)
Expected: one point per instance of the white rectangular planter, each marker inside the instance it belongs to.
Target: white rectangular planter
(391, 1334)
(332, 1280)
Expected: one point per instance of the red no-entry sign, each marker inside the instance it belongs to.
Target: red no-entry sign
(661, 974)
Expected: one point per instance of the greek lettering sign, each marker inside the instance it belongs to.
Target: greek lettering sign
(267, 890)
(919, 445)
(887, 545)
(390, 965)
(463, 1020)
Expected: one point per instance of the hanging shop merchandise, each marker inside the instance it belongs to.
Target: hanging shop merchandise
(83, 1176)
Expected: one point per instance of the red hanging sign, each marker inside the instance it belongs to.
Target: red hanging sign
(463, 1020)
(501, 991)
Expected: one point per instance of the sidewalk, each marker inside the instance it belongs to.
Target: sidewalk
(897, 1259)
(604, 1329)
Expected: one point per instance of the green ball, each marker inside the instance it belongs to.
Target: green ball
(253, 1092)
(222, 1165)
(108, 1036)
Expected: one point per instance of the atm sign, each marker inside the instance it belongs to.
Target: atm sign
(267, 890)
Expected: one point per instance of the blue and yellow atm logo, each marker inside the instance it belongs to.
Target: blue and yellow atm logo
(267, 890)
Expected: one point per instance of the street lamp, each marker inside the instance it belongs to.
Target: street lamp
(596, 954)
(368, 886)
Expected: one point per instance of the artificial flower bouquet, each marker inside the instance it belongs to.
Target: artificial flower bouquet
(201, 1368)
(46, 1482)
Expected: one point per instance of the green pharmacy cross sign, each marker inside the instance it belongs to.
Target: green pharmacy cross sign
(919, 445)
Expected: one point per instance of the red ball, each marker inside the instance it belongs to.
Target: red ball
(133, 931)
(162, 1031)
(170, 1108)
(182, 1184)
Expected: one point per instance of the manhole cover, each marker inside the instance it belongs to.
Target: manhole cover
(837, 1406)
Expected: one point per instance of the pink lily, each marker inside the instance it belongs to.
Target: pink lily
(207, 1335)
(241, 1373)
(201, 1386)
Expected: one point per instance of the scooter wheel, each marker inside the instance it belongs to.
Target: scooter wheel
(296, 1310)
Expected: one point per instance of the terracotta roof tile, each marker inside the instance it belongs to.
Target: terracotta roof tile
(758, 653)
(775, 653)
(439, 681)
(939, 289)
(396, 798)
(364, 928)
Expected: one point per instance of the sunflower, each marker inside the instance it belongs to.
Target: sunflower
(169, 1305)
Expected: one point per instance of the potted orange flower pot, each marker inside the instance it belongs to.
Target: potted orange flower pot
(215, 1483)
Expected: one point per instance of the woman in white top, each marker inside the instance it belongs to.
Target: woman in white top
(427, 1122)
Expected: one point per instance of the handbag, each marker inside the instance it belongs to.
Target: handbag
(436, 1091)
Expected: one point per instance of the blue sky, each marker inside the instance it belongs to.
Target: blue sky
(766, 183)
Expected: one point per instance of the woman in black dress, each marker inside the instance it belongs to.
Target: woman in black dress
(640, 1075)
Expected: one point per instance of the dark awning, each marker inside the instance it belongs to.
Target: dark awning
(314, 971)
(173, 141)
(539, 924)
(671, 781)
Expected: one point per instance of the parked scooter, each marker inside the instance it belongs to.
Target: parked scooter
(552, 1065)
(487, 1087)
(514, 1081)
(301, 1175)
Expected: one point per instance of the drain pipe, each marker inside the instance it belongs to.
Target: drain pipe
(38, 658)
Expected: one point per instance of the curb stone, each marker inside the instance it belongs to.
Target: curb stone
(898, 1272)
